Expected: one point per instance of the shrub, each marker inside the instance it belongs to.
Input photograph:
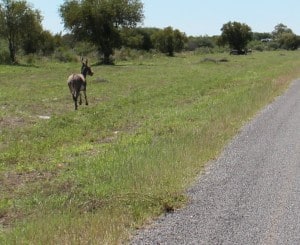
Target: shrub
(5, 57)
(65, 55)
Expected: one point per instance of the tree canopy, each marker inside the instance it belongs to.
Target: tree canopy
(236, 34)
(100, 21)
(285, 37)
(169, 41)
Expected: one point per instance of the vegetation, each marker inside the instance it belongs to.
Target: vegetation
(169, 41)
(285, 37)
(96, 174)
(19, 24)
(153, 121)
(100, 21)
(236, 35)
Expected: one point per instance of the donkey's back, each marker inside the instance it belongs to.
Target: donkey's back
(76, 83)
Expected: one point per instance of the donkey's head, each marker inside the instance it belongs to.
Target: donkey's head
(85, 69)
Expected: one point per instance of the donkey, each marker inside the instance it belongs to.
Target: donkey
(77, 83)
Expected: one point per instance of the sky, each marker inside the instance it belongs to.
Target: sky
(198, 17)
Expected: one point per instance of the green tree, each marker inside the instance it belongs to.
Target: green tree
(236, 34)
(288, 41)
(31, 39)
(169, 41)
(131, 38)
(262, 36)
(48, 42)
(100, 21)
(17, 22)
(200, 42)
(285, 37)
(280, 29)
(138, 38)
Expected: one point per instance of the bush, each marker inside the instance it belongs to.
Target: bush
(204, 50)
(5, 57)
(30, 59)
(65, 55)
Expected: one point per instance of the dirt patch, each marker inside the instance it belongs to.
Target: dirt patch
(12, 122)
(7, 218)
(11, 181)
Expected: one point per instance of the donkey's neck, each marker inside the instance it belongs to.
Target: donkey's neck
(84, 71)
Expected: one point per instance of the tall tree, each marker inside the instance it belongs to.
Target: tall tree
(236, 34)
(17, 19)
(100, 21)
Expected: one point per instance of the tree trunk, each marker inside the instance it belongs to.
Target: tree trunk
(12, 51)
(106, 59)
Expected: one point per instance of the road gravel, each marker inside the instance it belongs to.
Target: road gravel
(251, 194)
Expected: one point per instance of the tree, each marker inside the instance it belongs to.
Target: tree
(262, 36)
(280, 29)
(138, 38)
(31, 39)
(17, 21)
(235, 34)
(169, 41)
(100, 21)
(48, 42)
(200, 42)
(285, 37)
(288, 41)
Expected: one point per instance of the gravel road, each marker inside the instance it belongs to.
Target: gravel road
(251, 194)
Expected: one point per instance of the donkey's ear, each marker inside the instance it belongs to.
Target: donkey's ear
(82, 60)
(86, 62)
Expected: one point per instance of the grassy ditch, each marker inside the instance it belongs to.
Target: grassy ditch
(98, 173)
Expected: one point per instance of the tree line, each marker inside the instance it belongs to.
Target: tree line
(107, 25)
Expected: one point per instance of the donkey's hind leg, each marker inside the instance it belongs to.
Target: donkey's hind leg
(75, 101)
(80, 100)
(86, 101)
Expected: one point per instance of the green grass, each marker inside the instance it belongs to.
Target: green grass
(95, 174)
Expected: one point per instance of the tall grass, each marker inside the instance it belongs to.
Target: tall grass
(96, 174)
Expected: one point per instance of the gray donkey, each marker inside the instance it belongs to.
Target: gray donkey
(77, 83)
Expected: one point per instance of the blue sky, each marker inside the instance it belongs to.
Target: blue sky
(199, 17)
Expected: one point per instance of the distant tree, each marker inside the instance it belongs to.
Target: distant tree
(285, 37)
(169, 41)
(200, 42)
(31, 38)
(131, 38)
(100, 21)
(288, 41)
(17, 22)
(262, 36)
(48, 42)
(236, 35)
(146, 34)
(280, 29)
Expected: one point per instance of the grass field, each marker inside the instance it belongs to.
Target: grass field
(95, 175)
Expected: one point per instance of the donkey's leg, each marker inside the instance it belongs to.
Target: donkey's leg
(80, 100)
(86, 101)
(75, 101)
(75, 98)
